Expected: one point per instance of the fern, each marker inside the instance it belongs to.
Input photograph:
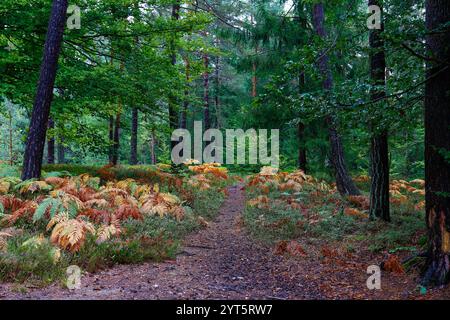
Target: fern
(32, 185)
(59, 202)
(53, 204)
(71, 234)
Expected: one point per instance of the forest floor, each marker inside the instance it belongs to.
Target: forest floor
(223, 262)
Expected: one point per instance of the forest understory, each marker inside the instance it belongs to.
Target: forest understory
(228, 259)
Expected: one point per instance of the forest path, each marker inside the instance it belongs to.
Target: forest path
(219, 262)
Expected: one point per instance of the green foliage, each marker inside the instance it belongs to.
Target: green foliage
(34, 263)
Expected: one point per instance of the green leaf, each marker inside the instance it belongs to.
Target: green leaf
(42, 208)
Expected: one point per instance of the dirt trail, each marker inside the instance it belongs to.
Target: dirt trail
(219, 262)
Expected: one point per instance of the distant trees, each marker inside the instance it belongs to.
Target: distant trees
(41, 109)
(437, 142)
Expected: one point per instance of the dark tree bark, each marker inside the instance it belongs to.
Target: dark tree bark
(134, 136)
(206, 117)
(344, 182)
(116, 142)
(111, 139)
(34, 149)
(186, 94)
(379, 150)
(437, 143)
(51, 144)
(301, 148)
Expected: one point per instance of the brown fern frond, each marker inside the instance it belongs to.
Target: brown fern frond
(26, 211)
(127, 211)
(71, 234)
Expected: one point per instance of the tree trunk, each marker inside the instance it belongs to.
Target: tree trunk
(302, 162)
(437, 145)
(34, 149)
(51, 144)
(301, 147)
(217, 93)
(11, 153)
(379, 189)
(186, 94)
(379, 151)
(206, 118)
(111, 139)
(344, 182)
(116, 142)
(173, 114)
(134, 134)
(61, 151)
(301, 130)
(153, 143)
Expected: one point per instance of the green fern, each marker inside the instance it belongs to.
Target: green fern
(54, 204)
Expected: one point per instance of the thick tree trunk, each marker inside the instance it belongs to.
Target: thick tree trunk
(51, 144)
(34, 149)
(379, 151)
(437, 145)
(186, 94)
(344, 182)
(134, 136)
(379, 189)
(206, 117)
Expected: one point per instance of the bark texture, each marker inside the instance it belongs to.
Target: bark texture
(34, 149)
(437, 144)
(379, 150)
